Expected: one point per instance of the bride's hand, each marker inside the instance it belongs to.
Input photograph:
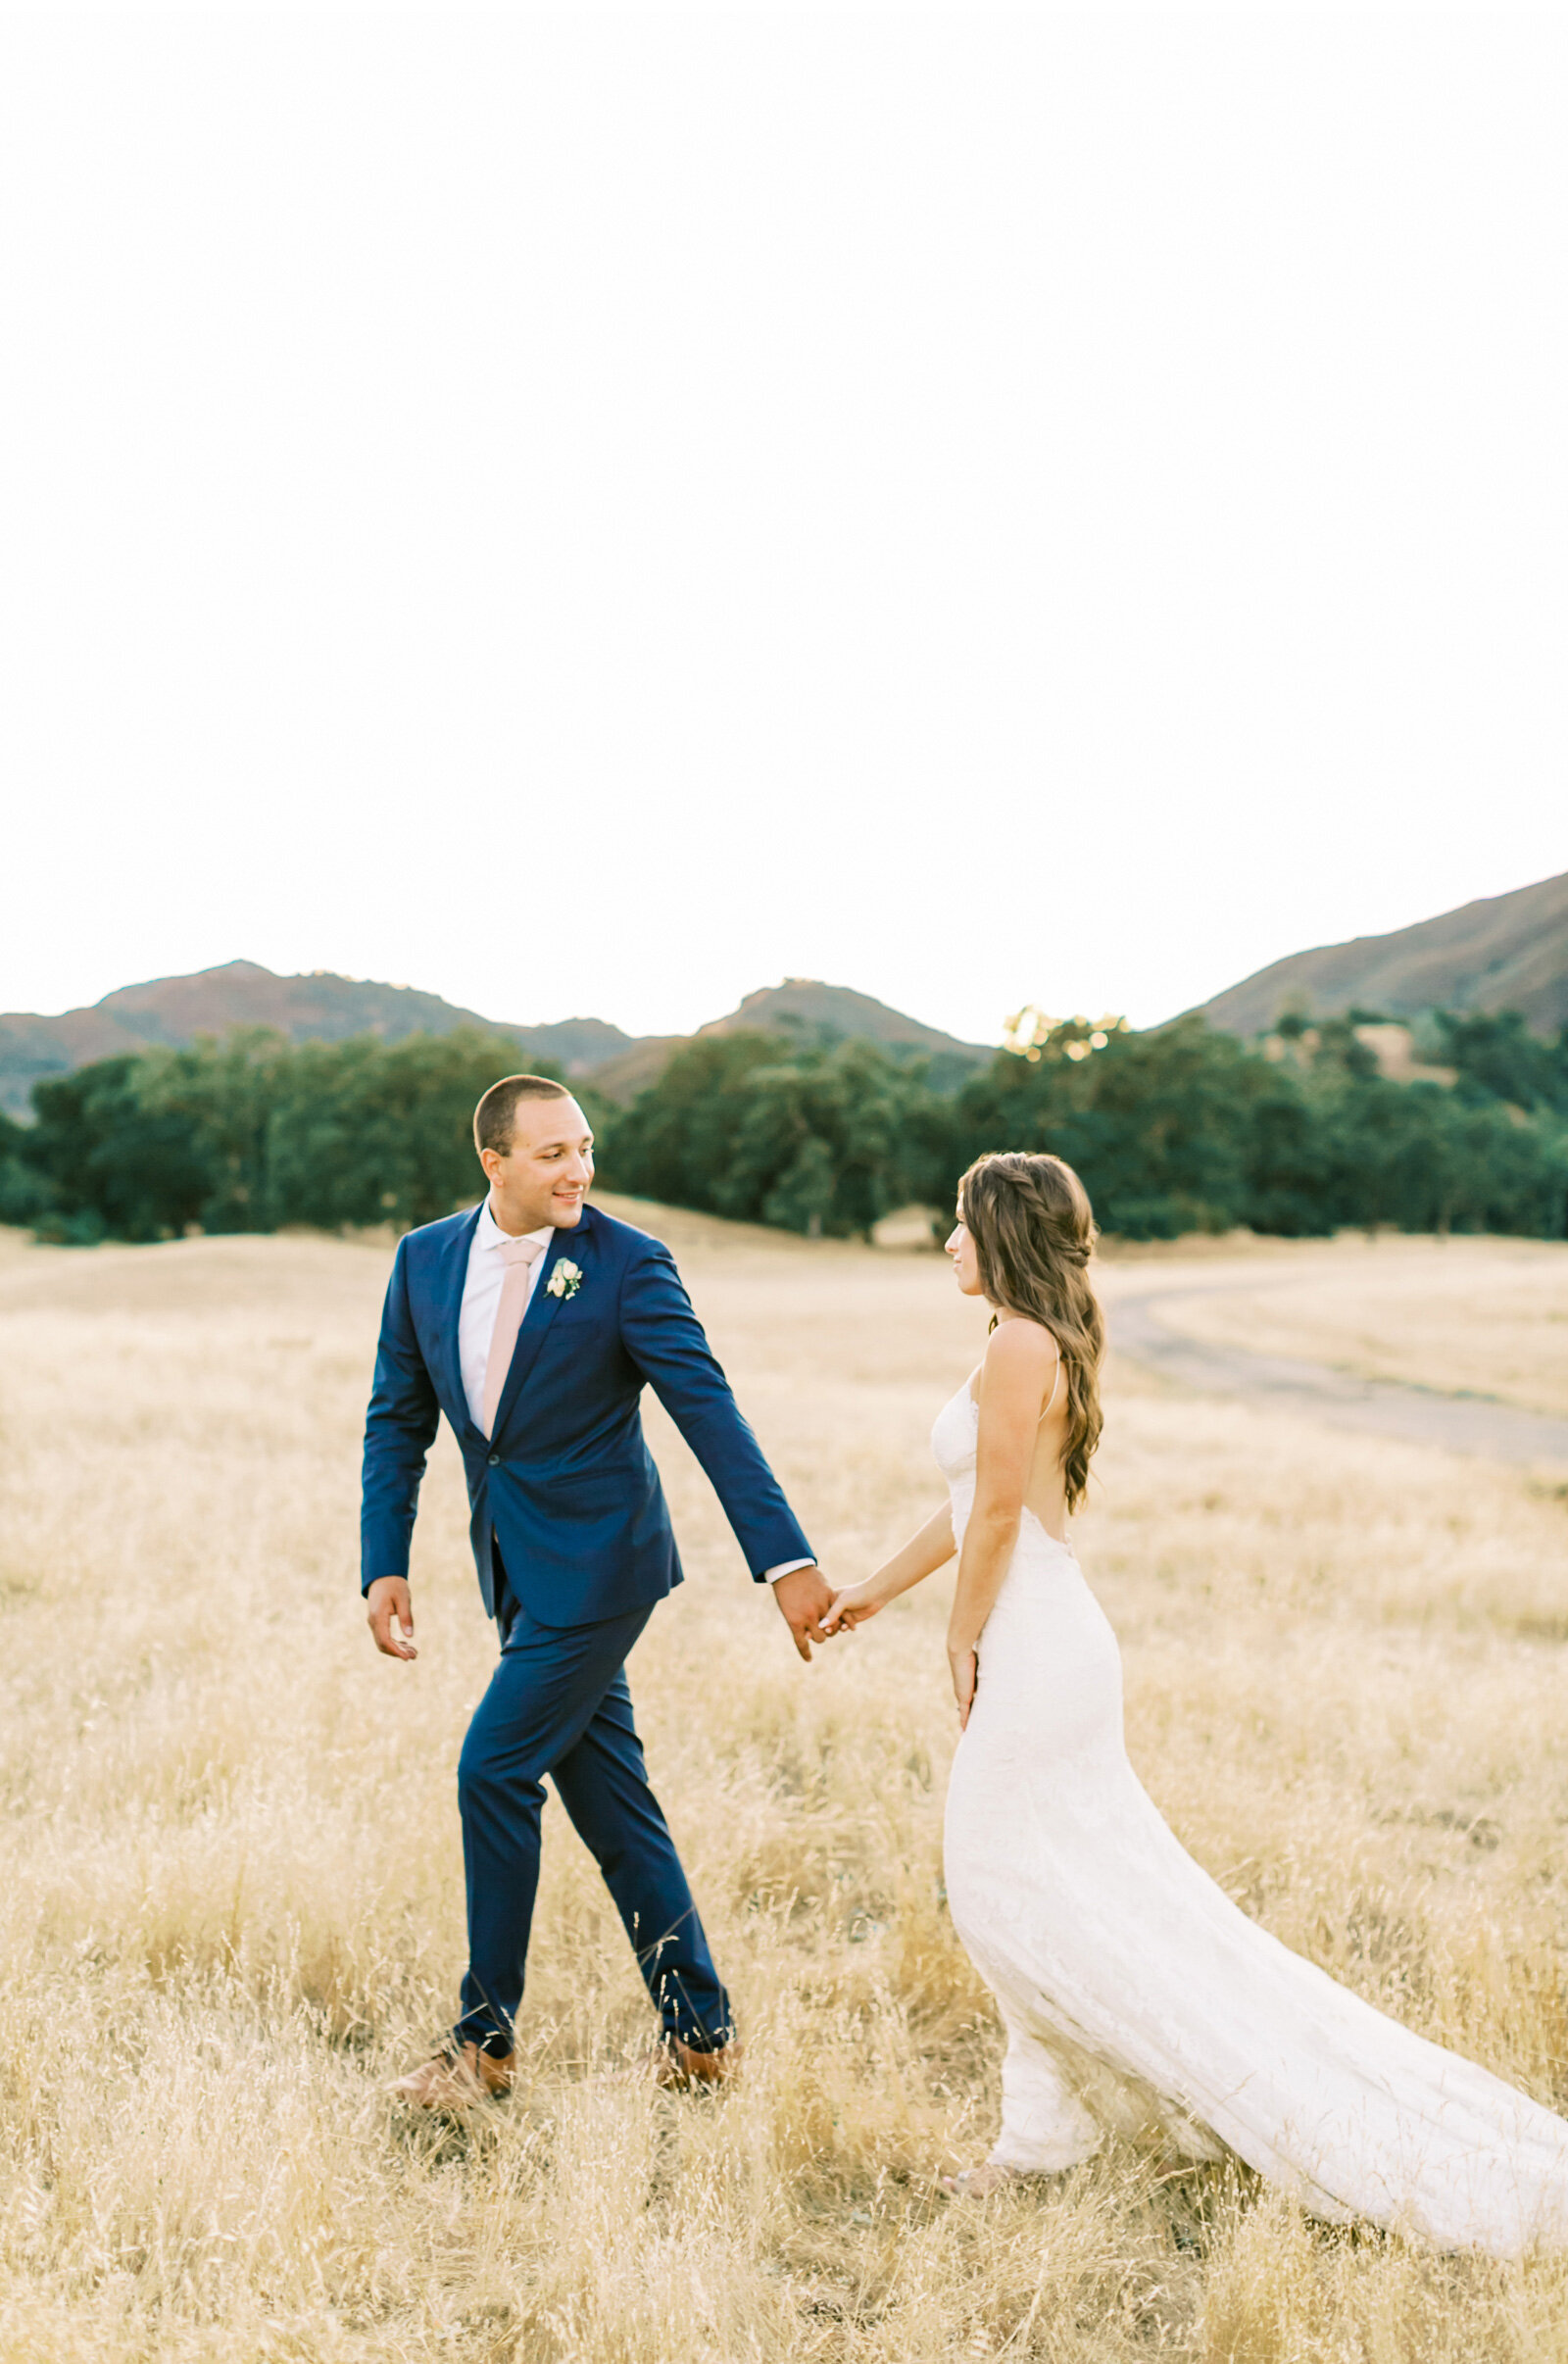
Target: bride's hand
(965, 1667)
(851, 1607)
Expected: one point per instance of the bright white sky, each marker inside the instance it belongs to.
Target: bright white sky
(596, 511)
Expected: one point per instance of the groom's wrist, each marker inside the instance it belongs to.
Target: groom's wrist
(786, 1567)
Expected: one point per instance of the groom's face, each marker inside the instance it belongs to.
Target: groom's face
(544, 1176)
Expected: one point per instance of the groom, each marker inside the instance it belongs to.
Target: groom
(533, 1322)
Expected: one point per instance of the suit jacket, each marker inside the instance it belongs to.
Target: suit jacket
(566, 1486)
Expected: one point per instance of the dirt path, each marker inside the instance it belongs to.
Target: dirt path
(1474, 1424)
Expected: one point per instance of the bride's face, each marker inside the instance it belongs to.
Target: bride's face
(966, 1263)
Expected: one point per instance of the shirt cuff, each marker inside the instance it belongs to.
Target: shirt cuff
(786, 1567)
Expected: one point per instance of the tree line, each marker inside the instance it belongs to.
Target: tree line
(251, 1134)
(1175, 1129)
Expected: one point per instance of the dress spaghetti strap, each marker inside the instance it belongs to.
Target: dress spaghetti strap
(1055, 1384)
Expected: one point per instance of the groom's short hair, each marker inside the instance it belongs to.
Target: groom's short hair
(496, 1113)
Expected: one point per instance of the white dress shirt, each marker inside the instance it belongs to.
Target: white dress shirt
(482, 1296)
(477, 1320)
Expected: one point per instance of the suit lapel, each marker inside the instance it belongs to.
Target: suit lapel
(449, 1278)
(541, 1310)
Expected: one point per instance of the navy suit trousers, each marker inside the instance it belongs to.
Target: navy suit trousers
(558, 1704)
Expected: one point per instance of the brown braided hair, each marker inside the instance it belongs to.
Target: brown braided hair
(1034, 1231)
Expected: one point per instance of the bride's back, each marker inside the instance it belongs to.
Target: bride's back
(1045, 1493)
(1026, 1234)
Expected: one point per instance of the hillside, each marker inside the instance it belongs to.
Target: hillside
(803, 1003)
(322, 1007)
(806, 1009)
(1505, 952)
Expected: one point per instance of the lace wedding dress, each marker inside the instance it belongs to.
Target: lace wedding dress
(1135, 1994)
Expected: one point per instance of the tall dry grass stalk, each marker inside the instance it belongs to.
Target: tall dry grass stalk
(233, 1900)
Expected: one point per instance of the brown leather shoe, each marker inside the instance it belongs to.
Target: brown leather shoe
(677, 2065)
(456, 2079)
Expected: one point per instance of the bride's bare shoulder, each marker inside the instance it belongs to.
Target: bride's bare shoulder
(1019, 1353)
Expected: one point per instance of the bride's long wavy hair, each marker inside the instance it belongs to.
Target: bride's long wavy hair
(1034, 1231)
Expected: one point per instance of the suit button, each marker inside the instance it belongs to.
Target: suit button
(495, 1461)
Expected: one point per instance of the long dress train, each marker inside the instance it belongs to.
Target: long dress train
(1135, 1992)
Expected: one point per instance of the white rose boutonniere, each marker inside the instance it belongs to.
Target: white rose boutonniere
(566, 1278)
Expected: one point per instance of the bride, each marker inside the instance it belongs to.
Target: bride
(1135, 1994)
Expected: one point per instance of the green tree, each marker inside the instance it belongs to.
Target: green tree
(677, 1141)
(1158, 1124)
(250, 1132)
(818, 1148)
(25, 1192)
(224, 1091)
(109, 1162)
(1424, 1159)
(819, 1139)
(1499, 1059)
(370, 1132)
(1183, 1128)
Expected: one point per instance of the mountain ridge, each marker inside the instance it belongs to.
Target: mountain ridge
(315, 1006)
(1501, 952)
(807, 1009)
(323, 1005)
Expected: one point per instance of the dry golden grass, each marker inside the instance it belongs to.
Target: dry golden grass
(1488, 1316)
(233, 1900)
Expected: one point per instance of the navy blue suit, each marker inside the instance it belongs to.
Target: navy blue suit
(574, 1545)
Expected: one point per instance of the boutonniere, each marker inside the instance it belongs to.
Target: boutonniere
(566, 1278)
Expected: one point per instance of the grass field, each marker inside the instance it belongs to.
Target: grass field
(234, 1896)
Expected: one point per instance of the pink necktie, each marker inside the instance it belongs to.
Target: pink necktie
(520, 1257)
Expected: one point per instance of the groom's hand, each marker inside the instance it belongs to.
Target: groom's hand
(805, 1598)
(388, 1604)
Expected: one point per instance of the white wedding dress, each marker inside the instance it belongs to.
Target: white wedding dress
(1135, 1994)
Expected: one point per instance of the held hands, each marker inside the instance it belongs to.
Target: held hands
(389, 1612)
(804, 1597)
(852, 1606)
